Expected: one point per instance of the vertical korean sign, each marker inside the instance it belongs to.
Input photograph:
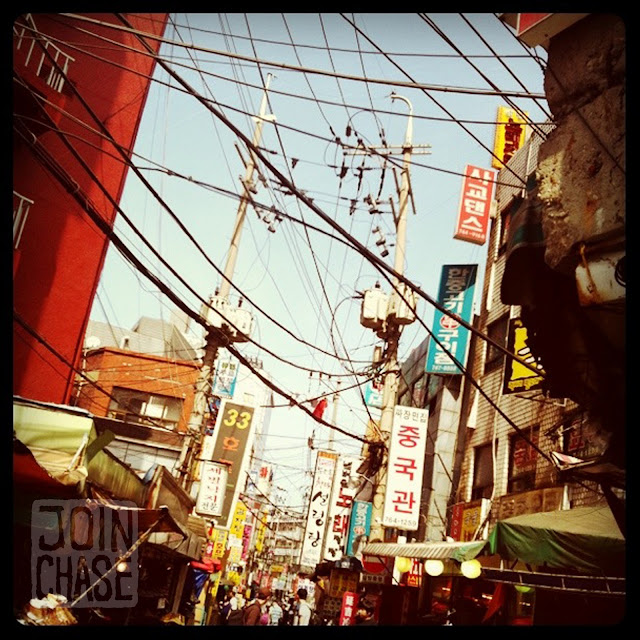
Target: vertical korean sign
(359, 528)
(232, 435)
(475, 205)
(457, 287)
(405, 467)
(213, 483)
(318, 507)
(236, 531)
(224, 382)
(340, 507)
(511, 133)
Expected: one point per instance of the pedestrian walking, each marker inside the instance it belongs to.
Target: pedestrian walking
(254, 611)
(236, 605)
(288, 611)
(303, 613)
(275, 614)
(365, 613)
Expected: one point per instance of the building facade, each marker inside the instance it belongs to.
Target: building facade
(75, 105)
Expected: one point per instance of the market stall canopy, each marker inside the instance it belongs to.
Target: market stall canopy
(583, 539)
(459, 551)
(57, 436)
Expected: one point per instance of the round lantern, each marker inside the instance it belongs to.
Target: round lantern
(433, 567)
(403, 564)
(523, 588)
(471, 568)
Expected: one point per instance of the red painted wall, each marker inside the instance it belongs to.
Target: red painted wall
(61, 251)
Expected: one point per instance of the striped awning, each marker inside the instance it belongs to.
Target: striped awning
(460, 551)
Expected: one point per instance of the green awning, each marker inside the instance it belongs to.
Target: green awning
(583, 539)
(459, 551)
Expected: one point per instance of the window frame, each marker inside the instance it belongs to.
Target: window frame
(494, 358)
(524, 480)
(482, 489)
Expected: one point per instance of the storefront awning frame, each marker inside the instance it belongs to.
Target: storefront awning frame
(459, 551)
(598, 585)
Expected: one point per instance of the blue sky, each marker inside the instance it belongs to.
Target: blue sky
(300, 277)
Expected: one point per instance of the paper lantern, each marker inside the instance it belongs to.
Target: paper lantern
(471, 569)
(433, 567)
(403, 564)
(523, 588)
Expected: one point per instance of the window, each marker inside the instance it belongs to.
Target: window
(522, 461)
(482, 472)
(145, 408)
(506, 216)
(580, 438)
(496, 331)
(505, 219)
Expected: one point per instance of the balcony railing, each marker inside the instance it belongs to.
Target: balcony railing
(21, 207)
(136, 418)
(48, 72)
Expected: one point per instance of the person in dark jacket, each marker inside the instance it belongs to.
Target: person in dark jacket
(254, 610)
(365, 613)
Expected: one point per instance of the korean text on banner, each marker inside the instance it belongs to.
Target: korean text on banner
(226, 376)
(511, 134)
(457, 289)
(318, 507)
(475, 205)
(233, 436)
(405, 467)
(359, 528)
(213, 484)
(342, 495)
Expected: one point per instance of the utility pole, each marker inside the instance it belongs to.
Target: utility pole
(240, 318)
(387, 320)
(334, 420)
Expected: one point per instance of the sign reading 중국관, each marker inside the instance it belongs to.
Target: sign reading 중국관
(457, 287)
(405, 468)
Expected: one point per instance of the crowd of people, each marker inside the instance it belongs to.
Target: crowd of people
(264, 609)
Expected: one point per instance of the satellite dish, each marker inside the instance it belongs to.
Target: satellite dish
(93, 342)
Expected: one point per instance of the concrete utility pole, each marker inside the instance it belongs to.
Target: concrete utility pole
(193, 439)
(334, 420)
(397, 314)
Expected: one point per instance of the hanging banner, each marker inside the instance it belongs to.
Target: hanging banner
(236, 529)
(359, 528)
(246, 540)
(311, 553)
(261, 532)
(457, 289)
(233, 435)
(475, 205)
(373, 393)
(517, 377)
(213, 483)
(466, 517)
(342, 497)
(413, 577)
(226, 376)
(405, 468)
(348, 609)
(511, 133)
